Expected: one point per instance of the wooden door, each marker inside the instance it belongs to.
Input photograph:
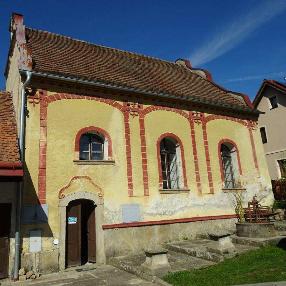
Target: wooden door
(91, 234)
(73, 234)
(5, 215)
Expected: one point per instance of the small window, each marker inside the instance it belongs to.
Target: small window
(273, 102)
(282, 167)
(230, 165)
(91, 147)
(263, 135)
(170, 163)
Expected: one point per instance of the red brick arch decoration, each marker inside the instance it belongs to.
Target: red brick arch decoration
(187, 116)
(45, 100)
(245, 123)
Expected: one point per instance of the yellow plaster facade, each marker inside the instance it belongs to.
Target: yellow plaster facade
(66, 117)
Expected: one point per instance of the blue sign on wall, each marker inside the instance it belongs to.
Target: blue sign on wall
(72, 220)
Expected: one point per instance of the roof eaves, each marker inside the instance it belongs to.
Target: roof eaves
(275, 84)
(128, 89)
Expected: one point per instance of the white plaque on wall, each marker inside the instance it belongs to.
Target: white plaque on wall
(35, 240)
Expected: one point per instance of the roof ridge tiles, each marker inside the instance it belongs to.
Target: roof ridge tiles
(103, 46)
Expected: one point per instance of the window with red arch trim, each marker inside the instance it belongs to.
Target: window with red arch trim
(93, 144)
(171, 162)
(230, 166)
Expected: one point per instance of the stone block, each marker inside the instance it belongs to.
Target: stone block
(49, 261)
(256, 230)
(156, 259)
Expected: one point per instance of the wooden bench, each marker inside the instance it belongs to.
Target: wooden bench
(257, 213)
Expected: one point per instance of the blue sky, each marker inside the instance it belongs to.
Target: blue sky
(239, 42)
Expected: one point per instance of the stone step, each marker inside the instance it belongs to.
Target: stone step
(280, 225)
(199, 249)
(132, 264)
(259, 242)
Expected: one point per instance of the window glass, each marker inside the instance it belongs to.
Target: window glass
(169, 164)
(230, 167)
(91, 147)
(229, 181)
(273, 102)
(263, 135)
(282, 166)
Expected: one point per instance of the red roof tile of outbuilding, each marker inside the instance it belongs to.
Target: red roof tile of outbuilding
(9, 149)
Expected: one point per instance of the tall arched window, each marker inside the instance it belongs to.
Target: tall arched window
(230, 165)
(91, 146)
(171, 163)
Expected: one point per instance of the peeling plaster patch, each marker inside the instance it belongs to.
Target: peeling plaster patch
(112, 215)
(173, 204)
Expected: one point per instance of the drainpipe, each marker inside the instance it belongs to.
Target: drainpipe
(21, 183)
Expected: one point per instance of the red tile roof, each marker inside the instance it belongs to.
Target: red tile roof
(61, 55)
(9, 150)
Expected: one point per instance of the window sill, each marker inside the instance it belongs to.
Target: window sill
(233, 190)
(173, 191)
(94, 162)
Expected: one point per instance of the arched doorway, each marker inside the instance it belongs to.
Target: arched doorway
(97, 200)
(80, 232)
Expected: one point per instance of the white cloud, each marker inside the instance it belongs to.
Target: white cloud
(255, 77)
(237, 31)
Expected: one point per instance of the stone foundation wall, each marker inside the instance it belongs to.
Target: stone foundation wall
(42, 262)
(132, 240)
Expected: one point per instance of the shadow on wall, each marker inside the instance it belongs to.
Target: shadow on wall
(38, 251)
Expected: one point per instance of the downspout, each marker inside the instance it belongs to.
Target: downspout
(21, 183)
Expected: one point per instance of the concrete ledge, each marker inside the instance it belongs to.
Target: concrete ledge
(174, 191)
(259, 242)
(94, 162)
(259, 230)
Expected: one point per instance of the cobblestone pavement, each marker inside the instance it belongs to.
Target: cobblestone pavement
(100, 276)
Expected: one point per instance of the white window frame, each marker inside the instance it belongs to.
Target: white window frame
(278, 167)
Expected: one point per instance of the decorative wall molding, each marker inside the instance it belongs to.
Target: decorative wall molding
(43, 147)
(75, 178)
(195, 152)
(45, 100)
(207, 154)
(133, 108)
(168, 221)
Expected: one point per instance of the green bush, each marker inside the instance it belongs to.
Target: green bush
(279, 205)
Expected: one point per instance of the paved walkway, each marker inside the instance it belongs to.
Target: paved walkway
(281, 283)
(100, 276)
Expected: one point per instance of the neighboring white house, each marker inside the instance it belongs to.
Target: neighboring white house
(271, 100)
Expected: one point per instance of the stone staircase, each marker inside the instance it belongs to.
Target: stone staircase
(207, 249)
(195, 254)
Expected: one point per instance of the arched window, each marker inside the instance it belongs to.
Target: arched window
(93, 144)
(230, 165)
(171, 164)
(91, 147)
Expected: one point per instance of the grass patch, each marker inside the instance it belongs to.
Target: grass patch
(262, 265)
